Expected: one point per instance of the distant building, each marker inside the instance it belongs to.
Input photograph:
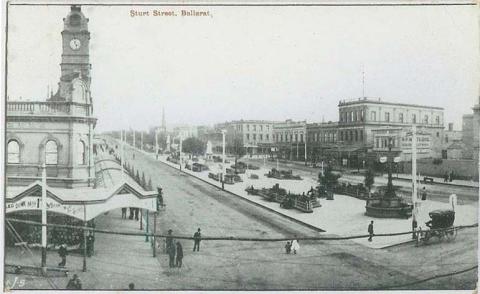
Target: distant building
(289, 137)
(450, 135)
(400, 140)
(470, 132)
(255, 136)
(185, 131)
(359, 118)
(322, 141)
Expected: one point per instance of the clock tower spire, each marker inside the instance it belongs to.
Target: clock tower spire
(75, 67)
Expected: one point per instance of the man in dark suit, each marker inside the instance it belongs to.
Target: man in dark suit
(370, 231)
(196, 238)
(179, 254)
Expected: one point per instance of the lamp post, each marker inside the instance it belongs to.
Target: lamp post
(133, 139)
(305, 142)
(180, 153)
(44, 219)
(156, 144)
(390, 192)
(223, 147)
(414, 174)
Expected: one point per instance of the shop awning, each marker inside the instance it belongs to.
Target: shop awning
(81, 203)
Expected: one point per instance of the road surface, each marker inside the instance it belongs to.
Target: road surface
(193, 204)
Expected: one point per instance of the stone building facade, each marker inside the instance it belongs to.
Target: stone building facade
(290, 138)
(59, 131)
(359, 118)
(255, 136)
(322, 141)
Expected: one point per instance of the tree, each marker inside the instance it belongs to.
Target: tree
(149, 185)
(137, 177)
(329, 179)
(369, 179)
(143, 183)
(236, 148)
(193, 145)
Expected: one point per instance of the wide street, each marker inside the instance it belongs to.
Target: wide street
(192, 204)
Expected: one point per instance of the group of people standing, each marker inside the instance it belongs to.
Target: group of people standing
(448, 176)
(174, 249)
(133, 213)
(292, 246)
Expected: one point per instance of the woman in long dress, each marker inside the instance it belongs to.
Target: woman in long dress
(295, 246)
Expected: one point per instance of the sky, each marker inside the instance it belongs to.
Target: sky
(270, 63)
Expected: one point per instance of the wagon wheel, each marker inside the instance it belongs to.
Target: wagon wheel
(451, 234)
(426, 238)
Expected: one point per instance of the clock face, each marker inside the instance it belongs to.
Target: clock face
(75, 44)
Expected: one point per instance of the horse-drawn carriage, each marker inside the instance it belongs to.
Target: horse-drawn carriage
(440, 225)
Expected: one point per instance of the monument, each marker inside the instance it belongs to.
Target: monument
(388, 204)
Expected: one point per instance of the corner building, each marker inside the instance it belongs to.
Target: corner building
(59, 131)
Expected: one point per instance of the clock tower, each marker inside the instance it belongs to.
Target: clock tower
(75, 67)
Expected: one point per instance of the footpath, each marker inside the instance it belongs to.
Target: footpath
(117, 260)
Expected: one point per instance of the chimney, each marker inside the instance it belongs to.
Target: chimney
(450, 126)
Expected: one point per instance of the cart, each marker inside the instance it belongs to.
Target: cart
(440, 226)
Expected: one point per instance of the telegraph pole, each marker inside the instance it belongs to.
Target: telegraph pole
(414, 173)
(305, 141)
(156, 144)
(134, 139)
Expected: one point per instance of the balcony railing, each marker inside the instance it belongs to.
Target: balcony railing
(47, 108)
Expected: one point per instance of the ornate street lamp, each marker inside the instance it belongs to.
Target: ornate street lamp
(390, 192)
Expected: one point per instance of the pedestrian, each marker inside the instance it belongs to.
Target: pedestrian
(414, 229)
(62, 252)
(136, 213)
(288, 247)
(451, 176)
(169, 241)
(370, 231)
(424, 194)
(74, 283)
(179, 254)
(196, 238)
(131, 286)
(445, 177)
(295, 245)
(90, 241)
(131, 213)
(124, 213)
(171, 256)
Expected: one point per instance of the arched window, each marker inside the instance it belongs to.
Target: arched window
(81, 152)
(13, 152)
(51, 152)
(79, 93)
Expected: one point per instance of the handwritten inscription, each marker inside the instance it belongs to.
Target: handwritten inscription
(170, 13)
